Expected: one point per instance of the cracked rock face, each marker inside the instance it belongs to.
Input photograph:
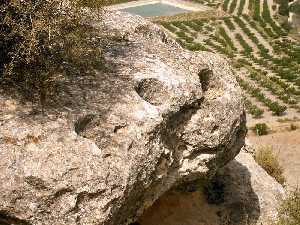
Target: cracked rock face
(120, 139)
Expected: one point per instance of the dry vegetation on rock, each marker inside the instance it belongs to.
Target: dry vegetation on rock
(289, 211)
(266, 158)
(42, 43)
(133, 122)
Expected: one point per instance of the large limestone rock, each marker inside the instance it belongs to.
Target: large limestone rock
(117, 141)
(249, 196)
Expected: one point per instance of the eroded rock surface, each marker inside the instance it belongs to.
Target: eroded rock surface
(252, 196)
(248, 196)
(120, 139)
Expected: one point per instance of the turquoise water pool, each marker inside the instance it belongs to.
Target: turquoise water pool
(157, 9)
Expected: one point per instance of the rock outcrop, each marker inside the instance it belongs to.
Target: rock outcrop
(251, 195)
(247, 195)
(118, 140)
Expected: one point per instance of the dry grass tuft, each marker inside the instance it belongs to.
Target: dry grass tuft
(266, 158)
(289, 211)
(44, 41)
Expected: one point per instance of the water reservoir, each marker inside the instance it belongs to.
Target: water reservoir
(156, 9)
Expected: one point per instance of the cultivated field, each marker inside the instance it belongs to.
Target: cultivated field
(266, 62)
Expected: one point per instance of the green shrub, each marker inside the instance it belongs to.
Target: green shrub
(225, 5)
(180, 25)
(183, 36)
(168, 26)
(277, 109)
(195, 47)
(227, 39)
(256, 112)
(250, 5)
(244, 44)
(269, 162)
(229, 23)
(42, 42)
(267, 17)
(286, 25)
(232, 6)
(241, 7)
(253, 109)
(256, 6)
(295, 8)
(283, 7)
(261, 129)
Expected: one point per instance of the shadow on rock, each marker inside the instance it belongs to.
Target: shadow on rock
(241, 203)
(237, 202)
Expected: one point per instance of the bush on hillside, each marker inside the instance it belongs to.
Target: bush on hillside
(293, 127)
(42, 42)
(295, 8)
(283, 7)
(261, 129)
(286, 25)
(269, 162)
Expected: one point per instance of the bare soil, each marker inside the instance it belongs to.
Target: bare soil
(178, 208)
(286, 144)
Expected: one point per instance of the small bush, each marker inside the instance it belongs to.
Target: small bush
(256, 112)
(241, 7)
(261, 129)
(283, 7)
(232, 6)
(225, 5)
(269, 162)
(289, 210)
(286, 25)
(293, 126)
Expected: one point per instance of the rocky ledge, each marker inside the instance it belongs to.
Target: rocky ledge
(119, 140)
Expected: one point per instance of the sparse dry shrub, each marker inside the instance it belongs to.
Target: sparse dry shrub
(293, 127)
(43, 42)
(266, 158)
(289, 210)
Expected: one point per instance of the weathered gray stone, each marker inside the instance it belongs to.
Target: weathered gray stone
(117, 141)
(251, 195)
(241, 193)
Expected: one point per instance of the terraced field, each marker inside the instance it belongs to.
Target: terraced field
(265, 58)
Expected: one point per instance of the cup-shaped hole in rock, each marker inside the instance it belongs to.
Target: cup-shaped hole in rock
(204, 76)
(82, 123)
(152, 91)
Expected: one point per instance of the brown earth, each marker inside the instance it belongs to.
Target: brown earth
(181, 208)
(286, 145)
(245, 194)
